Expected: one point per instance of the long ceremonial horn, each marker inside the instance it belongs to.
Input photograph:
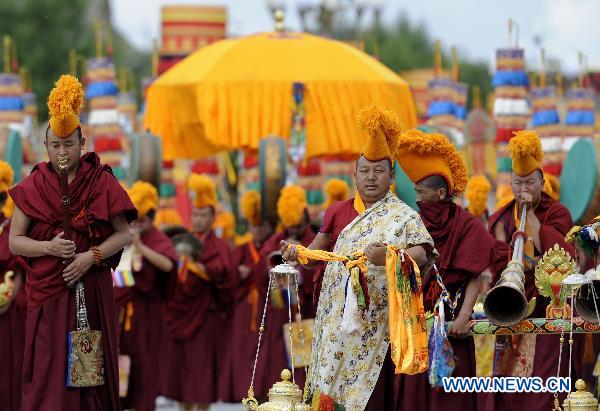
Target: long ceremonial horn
(585, 304)
(506, 304)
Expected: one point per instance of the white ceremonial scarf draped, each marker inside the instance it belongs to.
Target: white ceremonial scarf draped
(347, 366)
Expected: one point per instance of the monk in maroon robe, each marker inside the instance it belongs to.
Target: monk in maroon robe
(194, 312)
(549, 221)
(101, 211)
(12, 312)
(466, 250)
(249, 298)
(139, 308)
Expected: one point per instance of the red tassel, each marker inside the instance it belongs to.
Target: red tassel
(326, 403)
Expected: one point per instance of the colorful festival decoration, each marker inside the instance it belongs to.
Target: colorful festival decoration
(546, 122)
(106, 135)
(185, 29)
(580, 119)
(511, 110)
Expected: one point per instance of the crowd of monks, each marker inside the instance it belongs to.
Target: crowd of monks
(189, 326)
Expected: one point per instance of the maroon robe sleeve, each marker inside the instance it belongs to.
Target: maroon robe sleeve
(554, 227)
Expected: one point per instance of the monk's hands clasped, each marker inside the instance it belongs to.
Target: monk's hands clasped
(376, 252)
(80, 265)
(60, 247)
(288, 251)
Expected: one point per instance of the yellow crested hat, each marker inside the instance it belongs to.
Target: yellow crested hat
(144, 197)
(226, 222)
(336, 189)
(291, 205)
(205, 190)
(423, 155)
(250, 207)
(552, 186)
(6, 176)
(383, 128)
(476, 194)
(64, 104)
(525, 149)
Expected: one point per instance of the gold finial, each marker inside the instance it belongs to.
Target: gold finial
(580, 385)
(476, 96)
(98, 33)
(279, 17)
(543, 69)
(286, 375)
(437, 58)
(454, 64)
(6, 53)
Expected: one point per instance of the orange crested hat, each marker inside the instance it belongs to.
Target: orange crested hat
(205, 190)
(291, 205)
(250, 207)
(423, 155)
(225, 222)
(476, 194)
(383, 128)
(336, 189)
(6, 176)
(144, 197)
(64, 104)
(525, 149)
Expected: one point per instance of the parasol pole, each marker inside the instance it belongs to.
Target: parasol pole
(510, 32)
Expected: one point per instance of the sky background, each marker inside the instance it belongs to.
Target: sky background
(475, 27)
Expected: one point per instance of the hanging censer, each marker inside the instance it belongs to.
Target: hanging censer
(284, 395)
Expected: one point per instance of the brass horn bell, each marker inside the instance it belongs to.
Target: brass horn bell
(506, 304)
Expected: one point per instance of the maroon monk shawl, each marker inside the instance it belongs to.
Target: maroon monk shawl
(148, 279)
(189, 303)
(96, 199)
(464, 245)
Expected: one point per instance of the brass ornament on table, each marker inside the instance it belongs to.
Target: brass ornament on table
(506, 304)
(550, 271)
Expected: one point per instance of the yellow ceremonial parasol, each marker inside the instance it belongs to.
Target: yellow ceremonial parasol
(234, 92)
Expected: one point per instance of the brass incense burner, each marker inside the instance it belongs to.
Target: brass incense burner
(580, 400)
(284, 396)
